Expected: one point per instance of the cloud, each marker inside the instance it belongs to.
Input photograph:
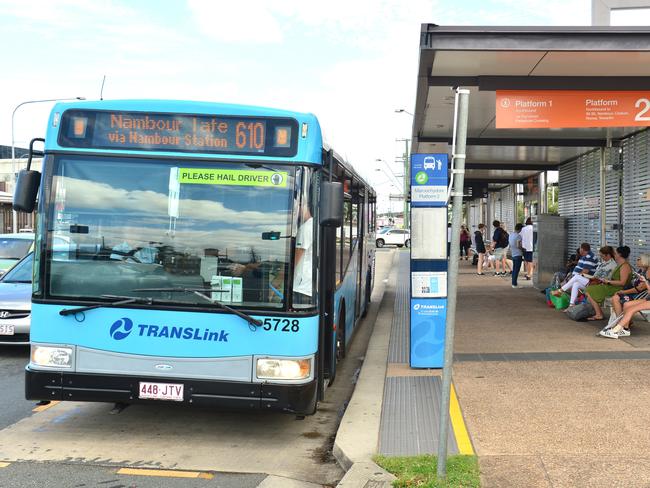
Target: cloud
(249, 21)
(85, 195)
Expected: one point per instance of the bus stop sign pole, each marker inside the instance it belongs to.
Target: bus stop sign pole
(458, 173)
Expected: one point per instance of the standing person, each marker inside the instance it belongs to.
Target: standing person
(480, 248)
(514, 241)
(499, 245)
(448, 239)
(465, 242)
(527, 245)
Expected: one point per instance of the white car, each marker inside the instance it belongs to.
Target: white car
(16, 303)
(396, 237)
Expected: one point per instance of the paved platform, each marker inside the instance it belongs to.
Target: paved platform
(410, 416)
(546, 402)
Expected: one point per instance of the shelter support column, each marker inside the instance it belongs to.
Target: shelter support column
(515, 206)
(543, 198)
(603, 207)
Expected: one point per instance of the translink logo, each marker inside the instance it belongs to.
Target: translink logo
(123, 327)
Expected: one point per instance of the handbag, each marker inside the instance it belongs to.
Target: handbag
(561, 302)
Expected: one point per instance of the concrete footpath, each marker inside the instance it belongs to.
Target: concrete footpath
(545, 402)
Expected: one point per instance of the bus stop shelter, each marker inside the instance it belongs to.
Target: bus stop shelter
(604, 175)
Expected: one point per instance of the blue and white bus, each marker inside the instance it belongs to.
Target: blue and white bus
(204, 254)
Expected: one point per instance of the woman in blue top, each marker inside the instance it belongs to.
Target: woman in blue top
(516, 250)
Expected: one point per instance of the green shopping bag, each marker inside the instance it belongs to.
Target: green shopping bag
(561, 302)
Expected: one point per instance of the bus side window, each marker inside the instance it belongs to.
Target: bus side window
(340, 237)
(354, 226)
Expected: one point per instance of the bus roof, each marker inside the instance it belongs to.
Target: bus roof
(347, 170)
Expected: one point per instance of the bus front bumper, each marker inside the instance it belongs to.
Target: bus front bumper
(78, 387)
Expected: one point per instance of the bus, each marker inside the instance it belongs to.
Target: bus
(193, 253)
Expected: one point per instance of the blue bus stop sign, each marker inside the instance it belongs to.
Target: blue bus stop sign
(429, 180)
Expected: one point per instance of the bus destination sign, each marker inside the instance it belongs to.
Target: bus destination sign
(178, 133)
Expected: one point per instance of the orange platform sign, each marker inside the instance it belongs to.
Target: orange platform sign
(518, 109)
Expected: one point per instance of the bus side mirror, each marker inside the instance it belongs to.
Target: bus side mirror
(26, 190)
(331, 204)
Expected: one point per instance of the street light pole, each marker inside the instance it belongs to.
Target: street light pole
(407, 179)
(13, 144)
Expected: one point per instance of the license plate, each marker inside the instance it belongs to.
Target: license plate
(6, 329)
(161, 391)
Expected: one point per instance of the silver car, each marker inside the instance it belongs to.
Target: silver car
(16, 303)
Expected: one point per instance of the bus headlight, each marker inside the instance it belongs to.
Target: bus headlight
(53, 357)
(283, 369)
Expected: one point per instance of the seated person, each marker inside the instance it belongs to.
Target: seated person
(585, 267)
(620, 326)
(571, 263)
(633, 292)
(621, 277)
(578, 281)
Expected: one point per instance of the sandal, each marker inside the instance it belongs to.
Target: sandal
(594, 318)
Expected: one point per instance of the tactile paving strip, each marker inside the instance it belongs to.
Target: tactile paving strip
(398, 349)
(411, 416)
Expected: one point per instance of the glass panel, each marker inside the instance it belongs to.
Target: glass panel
(354, 226)
(347, 218)
(12, 248)
(340, 233)
(304, 283)
(122, 225)
(20, 273)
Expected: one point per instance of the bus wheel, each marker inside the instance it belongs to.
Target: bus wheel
(380, 243)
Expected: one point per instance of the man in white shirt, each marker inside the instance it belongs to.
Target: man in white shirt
(527, 245)
(302, 277)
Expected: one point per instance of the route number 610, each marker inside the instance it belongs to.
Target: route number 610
(640, 117)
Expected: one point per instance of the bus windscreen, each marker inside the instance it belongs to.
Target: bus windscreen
(149, 131)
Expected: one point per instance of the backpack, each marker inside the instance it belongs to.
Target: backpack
(503, 239)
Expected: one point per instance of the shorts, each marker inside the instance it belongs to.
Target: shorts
(500, 252)
(528, 256)
(480, 249)
(628, 298)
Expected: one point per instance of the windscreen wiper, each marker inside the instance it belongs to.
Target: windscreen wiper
(118, 300)
(197, 291)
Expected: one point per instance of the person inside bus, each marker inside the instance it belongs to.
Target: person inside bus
(303, 269)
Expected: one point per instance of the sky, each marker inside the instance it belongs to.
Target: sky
(350, 62)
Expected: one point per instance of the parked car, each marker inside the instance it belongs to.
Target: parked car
(397, 237)
(14, 247)
(16, 302)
